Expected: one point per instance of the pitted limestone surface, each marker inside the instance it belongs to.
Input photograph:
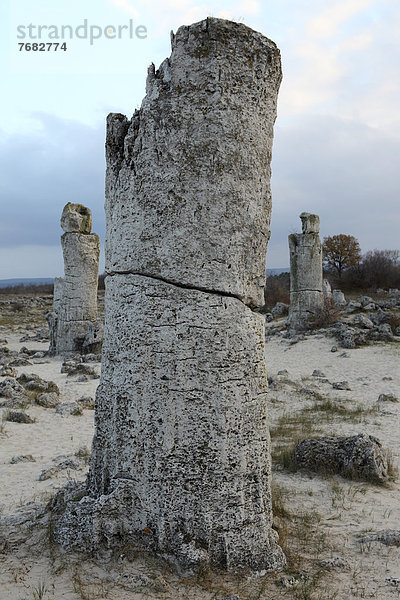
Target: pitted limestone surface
(196, 159)
(76, 218)
(180, 462)
(306, 280)
(75, 294)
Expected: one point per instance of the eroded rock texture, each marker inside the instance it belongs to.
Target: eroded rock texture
(75, 295)
(306, 290)
(180, 462)
(356, 457)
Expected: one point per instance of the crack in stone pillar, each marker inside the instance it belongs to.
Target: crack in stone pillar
(181, 460)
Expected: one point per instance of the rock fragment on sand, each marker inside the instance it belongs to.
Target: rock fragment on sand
(86, 402)
(18, 417)
(8, 371)
(318, 373)
(48, 400)
(280, 310)
(341, 385)
(333, 564)
(23, 458)
(69, 408)
(357, 457)
(9, 388)
(63, 465)
(388, 398)
(388, 537)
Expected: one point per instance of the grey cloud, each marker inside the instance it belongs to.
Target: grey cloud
(40, 172)
(342, 170)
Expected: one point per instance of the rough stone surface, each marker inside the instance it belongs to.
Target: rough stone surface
(206, 392)
(196, 158)
(387, 398)
(18, 417)
(180, 460)
(74, 315)
(388, 537)
(363, 322)
(356, 457)
(48, 400)
(306, 294)
(76, 218)
(280, 309)
(353, 306)
(327, 290)
(69, 408)
(9, 388)
(339, 299)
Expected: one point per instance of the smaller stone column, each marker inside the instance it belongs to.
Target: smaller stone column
(327, 290)
(306, 296)
(74, 315)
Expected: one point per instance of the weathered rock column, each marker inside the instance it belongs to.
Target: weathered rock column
(306, 295)
(75, 294)
(180, 462)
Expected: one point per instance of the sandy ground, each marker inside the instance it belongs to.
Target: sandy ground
(318, 517)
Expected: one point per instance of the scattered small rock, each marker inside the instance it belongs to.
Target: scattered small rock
(363, 322)
(69, 408)
(283, 372)
(356, 457)
(334, 349)
(293, 580)
(8, 371)
(353, 306)
(341, 385)
(388, 537)
(86, 402)
(387, 398)
(48, 400)
(62, 466)
(18, 417)
(331, 564)
(34, 383)
(9, 388)
(22, 458)
(73, 368)
(19, 401)
(20, 362)
(318, 373)
(91, 358)
(280, 309)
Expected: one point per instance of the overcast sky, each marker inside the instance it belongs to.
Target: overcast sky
(337, 136)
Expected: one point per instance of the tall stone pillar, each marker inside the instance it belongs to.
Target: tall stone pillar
(75, 294)
(180, 460)
(306, 294)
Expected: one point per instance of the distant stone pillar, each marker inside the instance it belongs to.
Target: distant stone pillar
(339, 299)
(326, 290)
(75, 294)
(180, 461)
(306, 296)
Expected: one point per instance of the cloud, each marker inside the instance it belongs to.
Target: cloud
(185, 12)
(342, 170)
(330, 19)
(42, 171)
